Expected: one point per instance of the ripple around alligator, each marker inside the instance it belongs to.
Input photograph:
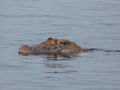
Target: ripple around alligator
(59, 57)
(104, 50)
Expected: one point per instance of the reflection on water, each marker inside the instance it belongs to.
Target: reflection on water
(53, 65)
(56, 66)
(62, 71)
(56, 57)
(53, 56)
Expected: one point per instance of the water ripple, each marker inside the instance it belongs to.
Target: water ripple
(35, 16)
(104, 50)
(8, 66)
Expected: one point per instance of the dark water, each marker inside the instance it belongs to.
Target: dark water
(90, 23)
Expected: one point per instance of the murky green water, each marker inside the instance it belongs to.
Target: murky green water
(90, 23)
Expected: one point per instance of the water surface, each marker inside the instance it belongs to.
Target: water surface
(90, 23)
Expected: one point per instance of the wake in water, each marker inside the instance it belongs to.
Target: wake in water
(104, 50)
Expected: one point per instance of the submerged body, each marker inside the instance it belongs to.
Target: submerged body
(53, 46)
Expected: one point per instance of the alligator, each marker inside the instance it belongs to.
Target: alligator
(53, 46)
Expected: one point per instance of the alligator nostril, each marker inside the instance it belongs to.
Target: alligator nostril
(25, 49)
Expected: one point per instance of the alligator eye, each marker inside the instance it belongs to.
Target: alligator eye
(50, 38)
(56, 41)
(66, 43)
(57, 47)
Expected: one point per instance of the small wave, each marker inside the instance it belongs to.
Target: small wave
(5, 66)
(104, 50)
(34, 16)
(67, 71)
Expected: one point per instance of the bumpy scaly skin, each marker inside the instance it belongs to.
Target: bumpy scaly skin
(53, 46)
